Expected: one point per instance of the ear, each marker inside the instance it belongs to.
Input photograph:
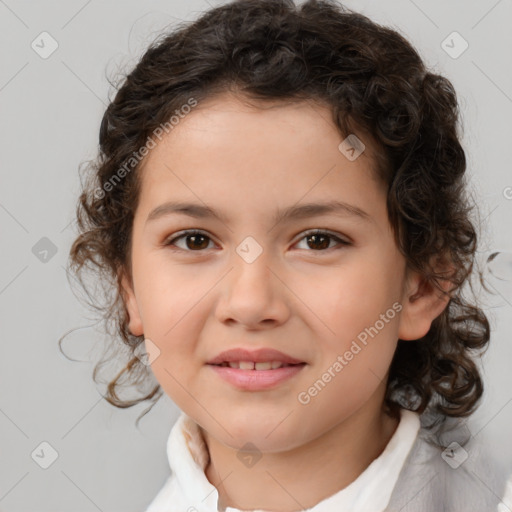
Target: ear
(422, 303)
(130, 302)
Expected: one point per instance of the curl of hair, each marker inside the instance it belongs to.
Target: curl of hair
(376, 86)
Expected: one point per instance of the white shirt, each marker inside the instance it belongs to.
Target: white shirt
(188, 489)
(506, 504)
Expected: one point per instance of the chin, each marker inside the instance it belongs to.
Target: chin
(268, 434)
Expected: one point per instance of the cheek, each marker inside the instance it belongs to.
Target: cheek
(343, 301)
(173, 322)
(360, 324)
(170, 302)
(350, 373)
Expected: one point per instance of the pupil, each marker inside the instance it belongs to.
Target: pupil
(315, 238)
(194, 244)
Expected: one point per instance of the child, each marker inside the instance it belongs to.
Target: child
(280, 202)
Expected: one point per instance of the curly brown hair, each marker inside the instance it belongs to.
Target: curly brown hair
(374, 82)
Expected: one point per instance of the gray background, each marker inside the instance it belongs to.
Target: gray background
(50, 114)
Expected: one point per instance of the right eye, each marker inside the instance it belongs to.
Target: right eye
(196, 237)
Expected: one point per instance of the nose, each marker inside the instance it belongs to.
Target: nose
(253, 294)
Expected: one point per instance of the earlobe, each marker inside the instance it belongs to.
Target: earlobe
(130, 302)
(422, 304)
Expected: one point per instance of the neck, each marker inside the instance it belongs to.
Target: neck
(302, 477)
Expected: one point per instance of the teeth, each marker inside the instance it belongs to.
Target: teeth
(250, 365)
(263, 366)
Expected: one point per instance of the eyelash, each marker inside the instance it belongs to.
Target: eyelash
(170, 241)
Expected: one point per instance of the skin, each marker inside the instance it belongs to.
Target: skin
(297, 297)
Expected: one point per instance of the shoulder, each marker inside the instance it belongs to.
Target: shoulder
(459, 475)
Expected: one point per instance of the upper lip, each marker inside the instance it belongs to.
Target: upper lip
(257, 356)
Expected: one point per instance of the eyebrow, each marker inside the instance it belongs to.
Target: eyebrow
(199, 211)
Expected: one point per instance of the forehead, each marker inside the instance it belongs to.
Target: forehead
(257, 151)
(236, 123)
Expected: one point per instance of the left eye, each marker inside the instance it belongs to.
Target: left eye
(322, 238)
(197, 240)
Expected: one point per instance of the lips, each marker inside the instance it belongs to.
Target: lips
(255, 370)
(251, 365)
(261, 359)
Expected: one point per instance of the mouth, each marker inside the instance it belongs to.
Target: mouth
(255, 370)
(250, 359)
(245, 375)
(252, 365)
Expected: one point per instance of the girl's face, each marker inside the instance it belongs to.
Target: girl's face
(255, 278)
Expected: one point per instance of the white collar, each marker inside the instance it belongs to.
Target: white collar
(371, 491)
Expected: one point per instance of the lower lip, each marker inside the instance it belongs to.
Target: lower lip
(256, 380)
